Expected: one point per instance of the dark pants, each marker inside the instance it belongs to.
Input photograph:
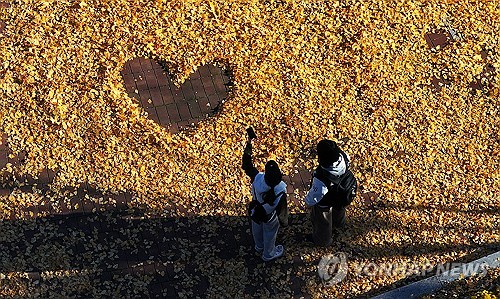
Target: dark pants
(323, 222)
(282, 211)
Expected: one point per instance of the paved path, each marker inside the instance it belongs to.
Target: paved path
(124, 252)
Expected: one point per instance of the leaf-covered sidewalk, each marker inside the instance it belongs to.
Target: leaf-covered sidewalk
(127, 254)
(410, 89)
(131, 253)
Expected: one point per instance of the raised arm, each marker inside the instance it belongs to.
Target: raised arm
(247, 164)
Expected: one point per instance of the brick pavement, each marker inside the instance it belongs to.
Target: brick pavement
(4, 5)
(174, 107)
(438, 39)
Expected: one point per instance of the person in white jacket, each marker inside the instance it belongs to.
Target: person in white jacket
(269, 191)
(333, 162)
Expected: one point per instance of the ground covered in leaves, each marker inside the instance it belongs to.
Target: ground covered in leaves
(359, 72)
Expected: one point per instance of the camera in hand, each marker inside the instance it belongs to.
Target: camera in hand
(251, 133)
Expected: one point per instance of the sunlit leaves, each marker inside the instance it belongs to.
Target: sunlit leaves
(304, 70)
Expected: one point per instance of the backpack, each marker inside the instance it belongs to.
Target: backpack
(256, 210)
(341, 189)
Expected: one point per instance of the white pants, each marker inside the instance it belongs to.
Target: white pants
(264, 236)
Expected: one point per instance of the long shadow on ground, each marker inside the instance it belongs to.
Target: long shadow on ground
(126, 254)
(129, 253)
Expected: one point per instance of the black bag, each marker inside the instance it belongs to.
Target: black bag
(257, 212)
(341, 190)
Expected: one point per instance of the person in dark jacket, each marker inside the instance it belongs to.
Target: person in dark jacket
(334, 162)
(270, 192)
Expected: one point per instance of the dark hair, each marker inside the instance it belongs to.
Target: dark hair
(272, 174)
(328, 152)
(269, 196)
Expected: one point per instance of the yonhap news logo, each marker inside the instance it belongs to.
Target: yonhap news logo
(333, 269)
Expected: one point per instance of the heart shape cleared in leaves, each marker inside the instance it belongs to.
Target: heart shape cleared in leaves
(175, 108)
(198, 97)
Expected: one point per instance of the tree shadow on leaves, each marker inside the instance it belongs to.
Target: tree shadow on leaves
(96, 251)
(130, 253)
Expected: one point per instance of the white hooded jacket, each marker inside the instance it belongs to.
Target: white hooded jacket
(259, 187)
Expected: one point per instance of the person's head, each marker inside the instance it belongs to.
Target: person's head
(328, 152)
(272, 173)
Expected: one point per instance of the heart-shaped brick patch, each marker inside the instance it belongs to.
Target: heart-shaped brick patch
(170, 106)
